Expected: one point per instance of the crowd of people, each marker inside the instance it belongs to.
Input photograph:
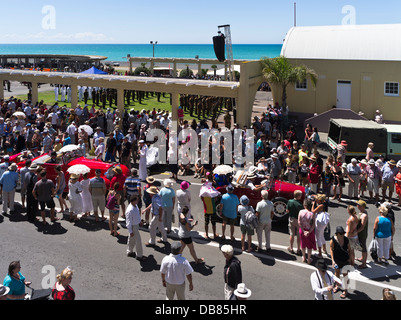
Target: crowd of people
(279, 154)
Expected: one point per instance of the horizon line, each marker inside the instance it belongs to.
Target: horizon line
(211, 44)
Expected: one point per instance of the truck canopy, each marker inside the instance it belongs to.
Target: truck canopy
(358, 133)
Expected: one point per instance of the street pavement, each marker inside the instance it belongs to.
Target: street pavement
(103, 271)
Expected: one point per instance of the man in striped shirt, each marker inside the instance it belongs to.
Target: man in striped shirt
(132, 186)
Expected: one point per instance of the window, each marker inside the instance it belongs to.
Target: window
(396, 138)
(303, 86)
(392, 89)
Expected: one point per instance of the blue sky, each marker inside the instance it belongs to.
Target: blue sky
(178, 21)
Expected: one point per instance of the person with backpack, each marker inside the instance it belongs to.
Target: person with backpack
(247, 228)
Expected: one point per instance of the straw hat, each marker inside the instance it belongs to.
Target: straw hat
(74, 176)
(152, 190)
(33, 167)
(117, 170)
(150, 180)
(13, 167)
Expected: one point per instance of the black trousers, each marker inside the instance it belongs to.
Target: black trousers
(31, 207)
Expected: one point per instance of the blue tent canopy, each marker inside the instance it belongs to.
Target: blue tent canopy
(93, 70)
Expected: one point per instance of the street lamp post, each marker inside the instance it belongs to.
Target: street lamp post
(153, 43)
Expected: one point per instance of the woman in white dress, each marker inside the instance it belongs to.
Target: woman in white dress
(86, 196)
(143, 171)
(74, 195)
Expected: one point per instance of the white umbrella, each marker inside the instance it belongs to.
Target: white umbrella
(223, 169)
(69, 148)
(87, 128)
(19, 114)
(79, 169)
(207, 190)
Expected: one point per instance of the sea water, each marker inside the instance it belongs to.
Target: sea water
(119, 52)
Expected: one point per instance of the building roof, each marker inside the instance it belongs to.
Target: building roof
(381, 42)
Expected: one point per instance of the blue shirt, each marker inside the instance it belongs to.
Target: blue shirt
(17, 287)
(67, 141)
(9, 180)
(383, 228)
(230, 202)
(388, 174)
(156, 204)
(167, 195)
(132, 184)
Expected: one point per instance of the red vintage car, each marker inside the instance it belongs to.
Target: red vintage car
(279, 193)
(69, 159)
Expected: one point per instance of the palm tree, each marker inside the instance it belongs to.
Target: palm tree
(279, 71)
(214, 67)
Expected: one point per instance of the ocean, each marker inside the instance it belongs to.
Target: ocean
(118, 52)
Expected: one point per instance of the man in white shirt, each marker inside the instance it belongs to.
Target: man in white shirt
(71, 130)
(133, 221)
(323, 281)
(174, 269)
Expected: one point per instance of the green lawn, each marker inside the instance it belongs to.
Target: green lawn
(146, 103)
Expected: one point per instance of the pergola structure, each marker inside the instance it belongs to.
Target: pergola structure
(174, 62)
(52, 61)
(244, 91)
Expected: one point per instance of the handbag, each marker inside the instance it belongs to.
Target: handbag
(373, 249)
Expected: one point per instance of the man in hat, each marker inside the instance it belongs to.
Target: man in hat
(22, 173)
(389, 171)
(354, 174)
(229, 209)
(323, 281)
(44, 191)
(8, 183)
(156, 209)
(232, 271)
(374, 175)
(30, 178)
(174, 270)
(97, 135)
(168, 196)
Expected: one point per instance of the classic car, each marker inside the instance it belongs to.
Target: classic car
(69, 159)
(279, 192)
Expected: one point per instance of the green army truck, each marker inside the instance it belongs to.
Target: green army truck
(358, 133)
